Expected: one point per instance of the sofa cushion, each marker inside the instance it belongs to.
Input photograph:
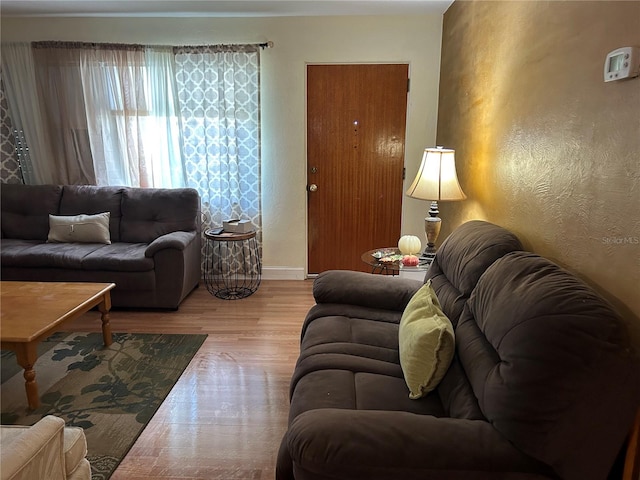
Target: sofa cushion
(456, 394)
(82, 471)
(148, 213)
(119, 257)
(13, 251)
(459, 262)
(359, 336)
(124, 257)
(354, 349)
(547, 358)
(426, 342)
(355, 390)
(334, 324)
(377, 292)
(79, 228)
(75, 448)
(26, 210)
(47, 255)
(343, 361)
(89, 199)
(133, 289)
(463, 258)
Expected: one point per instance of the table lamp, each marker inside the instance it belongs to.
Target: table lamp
(436, 180)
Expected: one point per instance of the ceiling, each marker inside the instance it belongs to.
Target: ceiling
(215, 8)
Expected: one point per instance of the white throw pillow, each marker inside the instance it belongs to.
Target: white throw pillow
(80, 228)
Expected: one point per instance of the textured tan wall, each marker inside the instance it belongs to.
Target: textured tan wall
(543, 146)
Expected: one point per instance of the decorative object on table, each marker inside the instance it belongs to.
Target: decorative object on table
(409, 245)
(387, 255)
(410, 260)
(237, 226)
(110, 392)
(384, 252)
(436, 180)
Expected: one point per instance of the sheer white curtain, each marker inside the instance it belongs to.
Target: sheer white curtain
(219, 97)
(165, 123)
(19, 77)
(134, 127)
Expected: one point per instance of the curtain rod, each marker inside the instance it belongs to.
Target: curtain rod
(127, 46)
(223, 46)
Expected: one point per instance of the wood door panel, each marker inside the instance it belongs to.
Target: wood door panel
(356, 118)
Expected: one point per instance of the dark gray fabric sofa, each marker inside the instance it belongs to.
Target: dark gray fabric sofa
(154, 257)
(544, 383)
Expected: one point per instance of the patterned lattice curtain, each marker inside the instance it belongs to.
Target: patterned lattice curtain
(219, 98)
(9, 161)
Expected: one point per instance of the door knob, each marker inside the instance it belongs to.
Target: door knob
(312, 188)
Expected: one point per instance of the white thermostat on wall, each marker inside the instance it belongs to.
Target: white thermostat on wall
(622, 63)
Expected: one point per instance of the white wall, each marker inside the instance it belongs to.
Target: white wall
(298, 41)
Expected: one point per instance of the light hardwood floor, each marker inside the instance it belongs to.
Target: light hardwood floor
(225, 417)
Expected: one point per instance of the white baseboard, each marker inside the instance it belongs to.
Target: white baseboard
(282, 273)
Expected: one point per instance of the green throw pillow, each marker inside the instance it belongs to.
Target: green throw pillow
(426, 341)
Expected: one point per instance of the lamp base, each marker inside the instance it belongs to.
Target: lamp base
(432, 225)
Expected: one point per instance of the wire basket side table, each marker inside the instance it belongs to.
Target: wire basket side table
(233, 267)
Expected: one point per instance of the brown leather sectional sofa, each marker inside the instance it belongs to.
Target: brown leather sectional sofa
(544, 383)
(153, 257)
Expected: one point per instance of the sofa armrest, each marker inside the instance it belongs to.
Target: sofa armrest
(336, 443)
(37, 452)
(364, 289)
(177, 240)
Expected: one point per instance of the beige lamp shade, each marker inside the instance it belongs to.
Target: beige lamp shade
(437, 178)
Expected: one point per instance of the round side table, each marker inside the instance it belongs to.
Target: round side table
(233, 268)
(391, 264)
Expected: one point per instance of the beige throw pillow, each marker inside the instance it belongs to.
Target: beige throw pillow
(80, 228)
(426, 341)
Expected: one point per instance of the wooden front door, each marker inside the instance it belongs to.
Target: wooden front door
(356, 117)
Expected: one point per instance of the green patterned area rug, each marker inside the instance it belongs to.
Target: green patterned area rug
(112, 392)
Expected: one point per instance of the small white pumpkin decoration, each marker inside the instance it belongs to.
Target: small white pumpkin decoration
(409, 244)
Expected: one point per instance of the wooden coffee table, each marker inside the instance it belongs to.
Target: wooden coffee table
(31, 311)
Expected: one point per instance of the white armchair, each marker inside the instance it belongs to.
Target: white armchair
(45, 451)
